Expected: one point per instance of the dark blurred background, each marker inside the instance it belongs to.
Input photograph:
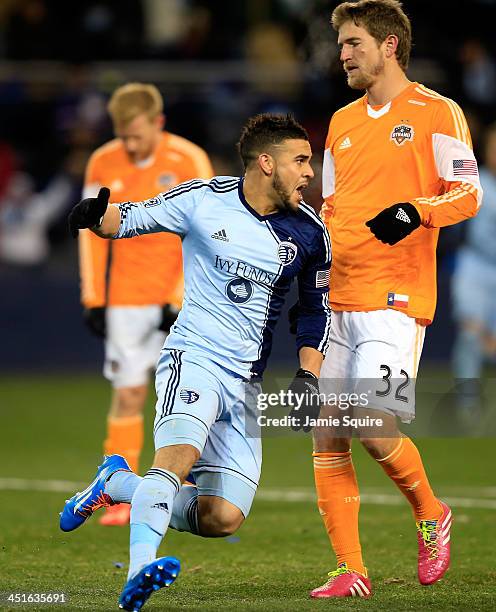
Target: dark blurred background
(216, 63)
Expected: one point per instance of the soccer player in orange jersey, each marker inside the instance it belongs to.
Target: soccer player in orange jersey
(124, 298)
(398, 166)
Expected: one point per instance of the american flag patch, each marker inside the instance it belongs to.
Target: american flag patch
(465, 166)
(322, 278)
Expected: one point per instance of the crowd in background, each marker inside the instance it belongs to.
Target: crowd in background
(215, 63)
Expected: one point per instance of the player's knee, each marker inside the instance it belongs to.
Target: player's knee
(219, 520)
(128, 401)
(323, 442)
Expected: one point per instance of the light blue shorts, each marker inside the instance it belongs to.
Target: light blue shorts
(202, 404)
(473, 290)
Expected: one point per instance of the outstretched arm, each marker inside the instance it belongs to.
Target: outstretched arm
(172, 211)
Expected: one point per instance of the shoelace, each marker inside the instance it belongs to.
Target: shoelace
(428, 531)
(341, 569)
(100, 502)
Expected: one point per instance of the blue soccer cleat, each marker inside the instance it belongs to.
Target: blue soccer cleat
(82, 505)
(154, 576)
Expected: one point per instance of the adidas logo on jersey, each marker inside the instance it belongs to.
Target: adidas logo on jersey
(346, 144)
(402, 216)
(220, 235)
(161, 506)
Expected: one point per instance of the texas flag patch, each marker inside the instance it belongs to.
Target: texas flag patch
(398, 300)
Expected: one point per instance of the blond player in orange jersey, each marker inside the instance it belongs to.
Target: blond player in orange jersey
(124, 298)
(398, 166)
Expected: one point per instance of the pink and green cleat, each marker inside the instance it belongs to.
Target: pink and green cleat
(434, 547)
(344, 582)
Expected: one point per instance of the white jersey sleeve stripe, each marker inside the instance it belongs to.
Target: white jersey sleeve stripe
(328, 175)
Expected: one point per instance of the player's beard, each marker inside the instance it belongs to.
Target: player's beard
(282, 193)
(366, 79)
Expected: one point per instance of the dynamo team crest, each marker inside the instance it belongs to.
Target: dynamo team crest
(287, 252)
(239, 290)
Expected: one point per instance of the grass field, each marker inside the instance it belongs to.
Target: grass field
(52, 428)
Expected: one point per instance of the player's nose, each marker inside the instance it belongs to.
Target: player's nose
(346, 53)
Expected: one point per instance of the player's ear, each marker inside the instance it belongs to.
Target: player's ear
(390, 44)
(266, 163)
(160, 121)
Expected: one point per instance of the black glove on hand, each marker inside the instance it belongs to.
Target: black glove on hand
(293, 314)
(304, 385)
(394, 223)
(95, 320)
(88, 212)
(169, 316)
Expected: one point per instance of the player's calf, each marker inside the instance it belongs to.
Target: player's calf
(217, 517)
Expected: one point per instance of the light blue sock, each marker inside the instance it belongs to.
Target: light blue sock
(121, 486)
(185, 510)
(151, 509)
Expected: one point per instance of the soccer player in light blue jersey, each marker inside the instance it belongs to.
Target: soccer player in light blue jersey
(244, 241)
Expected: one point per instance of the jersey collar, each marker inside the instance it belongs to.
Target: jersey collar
(378, 111)
(275, 215)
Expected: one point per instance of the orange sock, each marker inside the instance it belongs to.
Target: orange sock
(125, 437)
(404, 466)
(339, 503)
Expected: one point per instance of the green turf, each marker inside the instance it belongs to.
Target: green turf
(52, 428)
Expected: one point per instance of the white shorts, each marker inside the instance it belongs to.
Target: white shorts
(376, 353)
(132, 345)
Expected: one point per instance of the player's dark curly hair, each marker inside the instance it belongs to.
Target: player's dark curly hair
(265, 130)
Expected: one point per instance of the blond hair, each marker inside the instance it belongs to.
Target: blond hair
(133, 99)
(380, 18)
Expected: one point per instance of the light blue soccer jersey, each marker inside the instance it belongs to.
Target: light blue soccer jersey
(238, 267)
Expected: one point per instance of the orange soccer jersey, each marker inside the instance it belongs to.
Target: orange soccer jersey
(145, 269)
(417, 149)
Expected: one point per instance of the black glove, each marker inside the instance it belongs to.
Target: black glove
(293, 314)
(306, 385)
(95, 320)
(88, 212)
(394, 223)
(169, 315)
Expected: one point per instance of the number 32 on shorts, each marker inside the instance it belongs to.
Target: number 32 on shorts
(389, 386)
